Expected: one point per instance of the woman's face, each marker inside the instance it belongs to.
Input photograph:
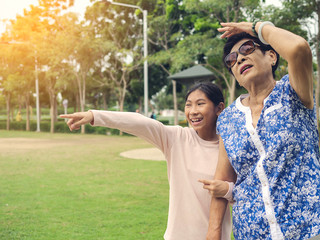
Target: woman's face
(202, 114)
(253, 67)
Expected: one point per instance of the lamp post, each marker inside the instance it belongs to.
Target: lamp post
(145, 51)
(36, 81)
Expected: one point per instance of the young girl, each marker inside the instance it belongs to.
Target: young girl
(191, 154)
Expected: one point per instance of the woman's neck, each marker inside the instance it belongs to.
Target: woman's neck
(257, 94)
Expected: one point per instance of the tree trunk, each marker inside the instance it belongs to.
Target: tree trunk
(55, 110)
(232, 90)
(39, 111)
(52, 110)
(318, 62)
(104, 102)
(175, 104)
(76, 104)
(83, 98)
(81, 82)
(27, 113)
(121, 104)
(231, 82)
(12, 114)
(8, 111)
(140, 105)
(318, 89)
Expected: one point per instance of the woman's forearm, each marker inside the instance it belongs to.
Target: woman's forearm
(217, 211)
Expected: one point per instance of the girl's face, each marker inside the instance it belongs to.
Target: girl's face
(202, 114)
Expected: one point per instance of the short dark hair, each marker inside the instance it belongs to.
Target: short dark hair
(238, 37)
(211, 90)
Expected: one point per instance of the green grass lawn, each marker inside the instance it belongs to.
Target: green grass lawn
(72, 186)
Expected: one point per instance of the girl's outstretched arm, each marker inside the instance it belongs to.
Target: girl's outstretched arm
(133, 123)
(77, 119)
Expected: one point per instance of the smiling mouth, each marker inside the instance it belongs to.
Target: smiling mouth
(245, 68)
(195, 120)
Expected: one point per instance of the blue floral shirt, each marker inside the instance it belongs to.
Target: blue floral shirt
(277, 192)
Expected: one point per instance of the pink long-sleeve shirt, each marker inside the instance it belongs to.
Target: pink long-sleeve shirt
(189, 158)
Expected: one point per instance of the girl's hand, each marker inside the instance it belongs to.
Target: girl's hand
(231, 28)
(216, 188)
(77, 119)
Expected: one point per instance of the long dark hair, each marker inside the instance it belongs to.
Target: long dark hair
(238, 37)
(211, 90)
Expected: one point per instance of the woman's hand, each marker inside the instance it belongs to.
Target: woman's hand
(231, 28)
(77, 119)
(216, 188)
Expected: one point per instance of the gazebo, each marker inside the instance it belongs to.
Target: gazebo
(189, 76)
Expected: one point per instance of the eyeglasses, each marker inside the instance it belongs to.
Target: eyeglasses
(245, 49)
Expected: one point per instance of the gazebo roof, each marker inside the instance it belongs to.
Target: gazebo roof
(194, 74)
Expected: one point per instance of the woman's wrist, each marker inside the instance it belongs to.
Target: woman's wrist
(260, 26)
(255, 33)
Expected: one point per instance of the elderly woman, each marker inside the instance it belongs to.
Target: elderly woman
(268, 137)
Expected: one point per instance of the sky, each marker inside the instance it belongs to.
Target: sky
(10, 8)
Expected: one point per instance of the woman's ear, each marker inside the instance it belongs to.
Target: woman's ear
(220, 108)
(273, 57)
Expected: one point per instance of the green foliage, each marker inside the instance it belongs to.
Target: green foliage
(87, 61)
(62, 127)
(284, 18)
(202, 24)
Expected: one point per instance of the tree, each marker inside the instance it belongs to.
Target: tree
(38, 24)
(301, 17)
(203, 45)
(119, 33)
(7, 88)
(167, 27)
(16, 78)
(54, 54)
(82, 50)
(307, 12)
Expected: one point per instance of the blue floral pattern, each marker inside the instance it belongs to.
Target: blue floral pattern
(277, 192)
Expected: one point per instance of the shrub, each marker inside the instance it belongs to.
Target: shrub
(62, 127)
(59, 127)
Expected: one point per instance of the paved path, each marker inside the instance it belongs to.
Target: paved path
(144, 153)
(26, 144)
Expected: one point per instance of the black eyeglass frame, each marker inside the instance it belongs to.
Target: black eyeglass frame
(255, 45)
